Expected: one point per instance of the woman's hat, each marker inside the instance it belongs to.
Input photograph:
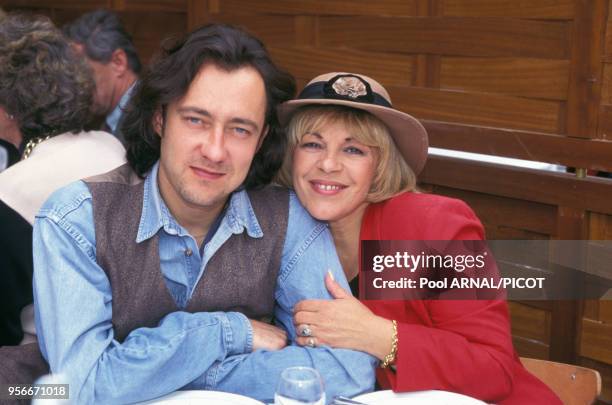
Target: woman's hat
(364, 93)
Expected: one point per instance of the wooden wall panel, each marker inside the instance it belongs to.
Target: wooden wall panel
(608, 36)
(605, 122)
(160, 6)
(306, 62)
(558, 189)
(530, 330)
(587, 39)
(535, 219)
(606, 91)
(605, 311)
(596, 340)
(58, 4)
(553, 148)
(148, 41)
(526, 77)
(320, 7)
(482, 109)
(605, 110)
(555, 9)
(449, 36)
(273, 30)
(595, 345)
(572, 152)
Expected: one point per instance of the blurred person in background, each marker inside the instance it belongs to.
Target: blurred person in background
(10, 138)
(45, 97)
(101, 38)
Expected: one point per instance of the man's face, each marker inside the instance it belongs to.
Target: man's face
(104, 96)
(105, 76)
(209, 138)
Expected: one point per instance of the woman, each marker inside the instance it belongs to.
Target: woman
(45, 96)
(352, 162)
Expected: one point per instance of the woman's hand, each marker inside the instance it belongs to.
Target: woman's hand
(342, 323)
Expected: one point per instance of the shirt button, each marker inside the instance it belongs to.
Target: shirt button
(188, 252)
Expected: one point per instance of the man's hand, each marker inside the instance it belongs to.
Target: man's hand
(267, 337)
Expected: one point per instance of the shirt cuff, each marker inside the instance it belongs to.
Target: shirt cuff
(238, 333)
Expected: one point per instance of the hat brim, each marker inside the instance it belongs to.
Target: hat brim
(407, 132)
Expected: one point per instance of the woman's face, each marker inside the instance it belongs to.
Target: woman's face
(332, 172)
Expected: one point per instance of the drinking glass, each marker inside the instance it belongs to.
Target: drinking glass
(300, 386)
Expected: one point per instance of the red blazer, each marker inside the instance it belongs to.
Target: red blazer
(458, 346)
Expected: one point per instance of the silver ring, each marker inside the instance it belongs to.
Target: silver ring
(311, 342)
(306, 331)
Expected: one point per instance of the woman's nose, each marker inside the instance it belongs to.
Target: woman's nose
(330, 163)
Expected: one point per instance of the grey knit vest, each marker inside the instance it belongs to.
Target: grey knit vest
(241, 275)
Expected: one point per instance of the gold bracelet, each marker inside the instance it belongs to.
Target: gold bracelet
(390, 358)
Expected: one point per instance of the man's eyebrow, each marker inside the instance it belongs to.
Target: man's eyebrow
(245, 121)
(194, 110)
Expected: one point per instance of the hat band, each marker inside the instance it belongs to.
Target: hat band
(317, 91)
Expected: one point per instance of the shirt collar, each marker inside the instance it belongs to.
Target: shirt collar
(239, 214)
(112, 119)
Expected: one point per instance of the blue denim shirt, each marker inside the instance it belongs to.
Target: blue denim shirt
(73, 308)
(112, 119)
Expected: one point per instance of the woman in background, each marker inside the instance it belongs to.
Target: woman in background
(45, 97)
(352, 160)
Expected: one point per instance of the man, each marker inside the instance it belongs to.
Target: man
(108, 48)
(142, 285)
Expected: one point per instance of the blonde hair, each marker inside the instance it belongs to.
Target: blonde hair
(392, 174)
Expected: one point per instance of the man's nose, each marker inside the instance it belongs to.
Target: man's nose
(214, 148)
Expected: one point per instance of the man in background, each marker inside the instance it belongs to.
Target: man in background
(110, 52)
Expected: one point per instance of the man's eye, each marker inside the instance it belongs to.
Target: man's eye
(193, 120)
(242, 131)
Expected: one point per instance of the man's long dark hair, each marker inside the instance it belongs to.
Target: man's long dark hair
(170, 75)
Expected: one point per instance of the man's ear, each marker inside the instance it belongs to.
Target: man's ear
(119, 62)
(263, 135)
(158, 122)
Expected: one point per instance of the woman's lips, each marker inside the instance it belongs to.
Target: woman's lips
(326, 187)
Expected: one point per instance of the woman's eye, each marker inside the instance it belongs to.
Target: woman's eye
(354, 151)
(310, 145)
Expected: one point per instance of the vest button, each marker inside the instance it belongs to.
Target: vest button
(188, 252)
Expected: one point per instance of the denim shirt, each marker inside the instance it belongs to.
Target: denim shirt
(205, 350)
(112, 119)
